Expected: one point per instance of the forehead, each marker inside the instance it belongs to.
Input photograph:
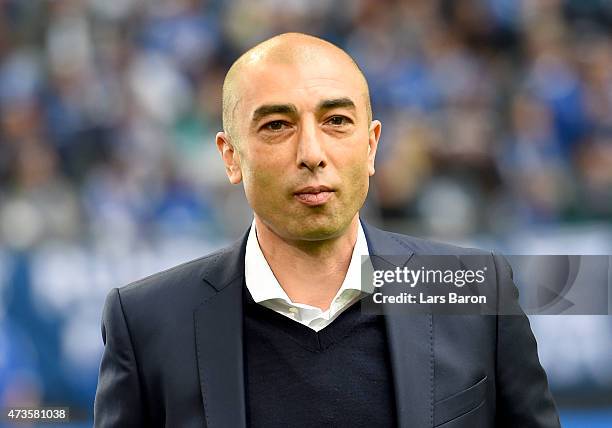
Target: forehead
(304, 83)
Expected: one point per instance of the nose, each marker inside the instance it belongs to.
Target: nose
(310, 151)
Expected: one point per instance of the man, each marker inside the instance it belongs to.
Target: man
(269, 331)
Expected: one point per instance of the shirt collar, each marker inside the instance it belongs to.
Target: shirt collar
(263, 285)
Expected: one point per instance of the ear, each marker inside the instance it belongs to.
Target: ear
(375, 128)
(230, 156)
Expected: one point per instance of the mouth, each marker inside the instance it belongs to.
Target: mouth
(314, 195)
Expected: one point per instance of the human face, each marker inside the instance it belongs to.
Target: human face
(306, 148)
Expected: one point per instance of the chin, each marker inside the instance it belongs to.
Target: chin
(319, 230)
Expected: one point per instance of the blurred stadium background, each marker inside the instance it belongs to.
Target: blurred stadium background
(497, 132)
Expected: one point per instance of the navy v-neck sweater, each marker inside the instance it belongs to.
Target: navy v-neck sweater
(297, 377)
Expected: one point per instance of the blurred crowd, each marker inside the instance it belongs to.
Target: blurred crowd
(497, 117)
(501, 109)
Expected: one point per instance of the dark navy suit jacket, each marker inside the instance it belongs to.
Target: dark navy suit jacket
(173, 351)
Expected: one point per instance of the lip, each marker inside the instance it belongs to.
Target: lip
(313, 195)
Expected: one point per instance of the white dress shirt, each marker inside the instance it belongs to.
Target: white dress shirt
(266, 290)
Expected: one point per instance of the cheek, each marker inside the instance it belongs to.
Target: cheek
(360, 177)
(357, 166)
(261, 182)
(357, 176)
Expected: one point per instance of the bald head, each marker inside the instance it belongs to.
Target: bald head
(290, 49)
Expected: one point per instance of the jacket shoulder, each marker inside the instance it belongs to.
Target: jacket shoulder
(183, 280)
(430, 247)
(181, 271)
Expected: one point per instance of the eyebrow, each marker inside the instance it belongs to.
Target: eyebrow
(337, 103)
(268, 109)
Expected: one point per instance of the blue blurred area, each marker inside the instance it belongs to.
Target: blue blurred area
(497, 132)
(586, 418)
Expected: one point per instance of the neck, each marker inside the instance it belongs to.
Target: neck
(310, 272)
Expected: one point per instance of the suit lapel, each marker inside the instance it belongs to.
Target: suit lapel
(410, 339)
(411, 348)
(219, 347)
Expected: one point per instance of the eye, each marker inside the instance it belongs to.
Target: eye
(274, 126)
(338, 120)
